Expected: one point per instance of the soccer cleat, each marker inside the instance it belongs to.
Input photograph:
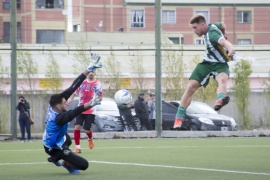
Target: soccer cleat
(77, 150)
(71, 170)
(91, 143)
(57, 163)
(94, 62)
(177, 123)
(95, 100)
(221, 102)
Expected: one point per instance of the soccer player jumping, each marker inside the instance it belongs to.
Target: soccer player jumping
(55, 138)
(218, 52)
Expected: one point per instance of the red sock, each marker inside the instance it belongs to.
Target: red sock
(90, 134)
(77, 136)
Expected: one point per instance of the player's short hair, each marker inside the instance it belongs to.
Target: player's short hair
(56, 99)
(198, 18)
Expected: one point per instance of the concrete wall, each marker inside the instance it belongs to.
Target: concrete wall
(259, 107)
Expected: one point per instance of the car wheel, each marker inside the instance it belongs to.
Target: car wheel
(193, 128)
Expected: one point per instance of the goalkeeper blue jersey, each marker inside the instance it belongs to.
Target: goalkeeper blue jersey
(54, 135)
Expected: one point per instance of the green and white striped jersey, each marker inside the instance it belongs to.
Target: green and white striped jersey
(214, 51)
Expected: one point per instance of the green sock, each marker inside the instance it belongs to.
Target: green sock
(180, 112)
(220, 96)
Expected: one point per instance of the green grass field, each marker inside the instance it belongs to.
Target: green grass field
(146, 159)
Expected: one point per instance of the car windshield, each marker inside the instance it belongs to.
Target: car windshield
(200, 108)
(107, 106)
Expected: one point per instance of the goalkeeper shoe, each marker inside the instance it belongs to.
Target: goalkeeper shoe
(71, 170)
(95, 100)
(94, 62)
(57, 163)
(221, 102)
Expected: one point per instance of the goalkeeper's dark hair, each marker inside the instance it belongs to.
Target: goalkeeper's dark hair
(56, 99)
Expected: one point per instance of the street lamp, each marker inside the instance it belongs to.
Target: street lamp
(86, 24)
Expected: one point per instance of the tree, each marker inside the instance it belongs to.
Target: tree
(139, 71)
(4, 74)
(81, 58)
(267, 85)
(240, 88)
(53, 74)
(173, 68)
(112, 73)
(27, 69)
(267, 95)
(205, 94)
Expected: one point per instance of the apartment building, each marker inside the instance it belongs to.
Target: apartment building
(48, 21)
(247, 22)
(38, 21)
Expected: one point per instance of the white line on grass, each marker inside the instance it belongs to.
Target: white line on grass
(154, 147)
(180, 167)
(152, 165)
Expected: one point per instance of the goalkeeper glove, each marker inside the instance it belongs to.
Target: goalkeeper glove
(95, 100)
(94, 62)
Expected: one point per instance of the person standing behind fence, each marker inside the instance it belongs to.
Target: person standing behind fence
(126, 116)
(152, 107)
(142, 111)
(24, 121)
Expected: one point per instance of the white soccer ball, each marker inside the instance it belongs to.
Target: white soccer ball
(123, 96)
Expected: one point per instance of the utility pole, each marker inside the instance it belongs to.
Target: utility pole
(158, 69)
(13, 44)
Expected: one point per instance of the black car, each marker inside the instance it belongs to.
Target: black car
(199, 117)
(107, 117)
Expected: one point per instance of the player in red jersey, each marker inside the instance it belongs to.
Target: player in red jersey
(87, 118)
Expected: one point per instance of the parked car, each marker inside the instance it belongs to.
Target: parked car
(200, 116)
(107, 116)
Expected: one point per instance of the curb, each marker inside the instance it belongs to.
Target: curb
(164, 134)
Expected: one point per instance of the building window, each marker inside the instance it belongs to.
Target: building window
(50, 37)
(6, 32)
(244, 16)
(137, 18)
(175, 40)
(6, 4)
(168, 17)
(77, 28)
(244, 41)
(49, 4)
(205, 14)
(199, 41)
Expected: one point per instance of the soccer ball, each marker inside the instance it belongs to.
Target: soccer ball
(123, 96)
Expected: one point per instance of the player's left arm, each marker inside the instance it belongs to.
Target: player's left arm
(75, 85)
(99, 88)
(225, 43)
